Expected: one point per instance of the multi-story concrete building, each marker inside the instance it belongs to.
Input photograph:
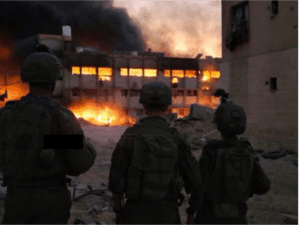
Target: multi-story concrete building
(118, 78)
(260, 60)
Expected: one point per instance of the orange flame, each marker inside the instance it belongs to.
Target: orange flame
(101, 113)
(15, 88)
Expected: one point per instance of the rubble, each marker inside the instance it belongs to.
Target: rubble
(197, 125)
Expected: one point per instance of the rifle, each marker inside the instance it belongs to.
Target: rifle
(120, 212)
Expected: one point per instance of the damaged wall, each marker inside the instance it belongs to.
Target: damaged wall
(263, 73)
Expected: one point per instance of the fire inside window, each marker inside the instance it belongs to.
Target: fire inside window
(150, 72)
(190, 73)
(123, 71)
(88, 70)
(104, 73)
(177, 73)
(75, 70)
(205, 88)
(135, 72)
(167, 73)
(207, 75)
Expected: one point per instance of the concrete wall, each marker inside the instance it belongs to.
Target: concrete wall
(273, 115)
(266, 33)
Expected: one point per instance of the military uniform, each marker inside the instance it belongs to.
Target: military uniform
(36, 178)
(259, 184)
(230, 171)
(164, 211)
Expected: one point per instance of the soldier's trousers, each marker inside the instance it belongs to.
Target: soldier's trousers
(27, 205)
(144, 213)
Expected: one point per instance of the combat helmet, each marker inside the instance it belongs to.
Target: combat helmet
(156, 93)
(40, 67)
(230, 118)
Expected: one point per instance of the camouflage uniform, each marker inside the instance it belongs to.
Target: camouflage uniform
(260, 185)
(38, 195)
(143, 211)
(144, 205)
(230, 171)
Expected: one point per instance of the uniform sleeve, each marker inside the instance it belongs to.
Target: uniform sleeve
(206, 165)
(261, 184)
(119, 165)
(79, 160)
(189, 166)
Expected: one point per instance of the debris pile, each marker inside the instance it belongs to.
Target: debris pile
(197, 128)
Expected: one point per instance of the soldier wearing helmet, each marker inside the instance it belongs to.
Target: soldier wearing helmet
(34, 174)
(230, 170)
(151, 164)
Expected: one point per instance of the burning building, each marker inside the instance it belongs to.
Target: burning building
(92, 78)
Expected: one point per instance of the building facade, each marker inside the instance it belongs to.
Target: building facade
(118, 78)
(260, 60)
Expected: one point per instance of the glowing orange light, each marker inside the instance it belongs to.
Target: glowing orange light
(205, 88)
(215, 74)
(104, 114)
(190, 73)
(5, 53)
(167, 73)
(104, 73)
(150, 72)
(88, 70)
(75, 70)
(175, 80)
(136, 72)
(123, 71)
(206, 75)
(178, 73)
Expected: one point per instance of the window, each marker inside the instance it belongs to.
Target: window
(190, 73)
(75, 70)
(273, 84)
(177, 73)
(238, 31)
(123, 71)
(180, 93)
(150, 72)
(124, 92)
(181, 112)
(274, 7)
(167, 73)
(195, 93)
(88, 70)
(135, 72)
(134, 93)
(104, 73)
(189, 93)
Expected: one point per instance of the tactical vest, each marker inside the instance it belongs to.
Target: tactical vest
(22, 126)
(154, 170)
(231, 179)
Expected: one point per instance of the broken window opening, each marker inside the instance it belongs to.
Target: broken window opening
(124, 92)
(274, 7)
(273, 84)
(238, 31)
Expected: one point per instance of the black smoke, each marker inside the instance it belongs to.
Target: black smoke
(94, 23)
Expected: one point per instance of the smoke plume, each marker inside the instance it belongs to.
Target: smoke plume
(179, 29)
(94, 23)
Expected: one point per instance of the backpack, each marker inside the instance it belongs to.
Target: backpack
(22, 126)
(154, 170)
(231, 179)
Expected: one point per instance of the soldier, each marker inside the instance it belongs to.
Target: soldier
(230, 171)
(151, 164)
(36, 177)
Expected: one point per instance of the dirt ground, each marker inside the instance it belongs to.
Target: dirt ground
(278, 206)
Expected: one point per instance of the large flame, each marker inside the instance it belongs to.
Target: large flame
(101, 113)
(14, 86)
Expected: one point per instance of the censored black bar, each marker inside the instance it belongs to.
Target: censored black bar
(63, 141)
